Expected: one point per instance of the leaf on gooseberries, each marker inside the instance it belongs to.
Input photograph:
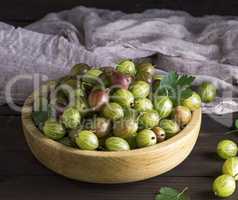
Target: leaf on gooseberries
(177, 87)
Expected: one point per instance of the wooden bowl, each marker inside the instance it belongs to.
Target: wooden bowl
(110, 167)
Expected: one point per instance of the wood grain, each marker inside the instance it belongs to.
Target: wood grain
(38, 187)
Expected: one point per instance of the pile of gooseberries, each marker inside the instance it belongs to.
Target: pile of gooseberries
(113, 108)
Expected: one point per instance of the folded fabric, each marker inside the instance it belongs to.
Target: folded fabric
(206, 47)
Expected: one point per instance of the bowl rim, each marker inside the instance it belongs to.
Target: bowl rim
(29, 125)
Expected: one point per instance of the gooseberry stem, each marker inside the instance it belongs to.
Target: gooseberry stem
(231, 132)
(181, 193)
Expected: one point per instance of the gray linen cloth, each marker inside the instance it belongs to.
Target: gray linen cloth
(206, 47)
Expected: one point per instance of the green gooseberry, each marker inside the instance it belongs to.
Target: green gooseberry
(79, 69)
(126, 67)
(53, 129)
(163, 105)
(146, 67)
(92, 76)
(71, 118)
(170, 127)
(140, 89)
(230, 167)
(227, 149)
(143, 104)
(224, 186)
(145, 72)
(193, 102)
(87, 140)
(116, 144)
(207, 92)
(182, 115)
(113, 111)
(101, 126)
(130, 113)
(125, 128)
(146, 138)
(149, 119)
(94, 72)
(123, 97)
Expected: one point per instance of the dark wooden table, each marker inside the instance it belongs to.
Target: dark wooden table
(22, 177)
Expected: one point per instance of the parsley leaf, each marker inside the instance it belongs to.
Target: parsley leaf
(177, 87)
(167, 193)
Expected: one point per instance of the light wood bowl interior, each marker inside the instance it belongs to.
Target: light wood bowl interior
(110, 167)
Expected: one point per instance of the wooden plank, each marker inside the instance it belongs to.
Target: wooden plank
(28, 10)
(202, 162)
(50, 187)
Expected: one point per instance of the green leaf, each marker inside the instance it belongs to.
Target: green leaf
(185, 81)
(177, 87)
(186, 93)
(169, 80)
(144, 76)
(167, 193)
